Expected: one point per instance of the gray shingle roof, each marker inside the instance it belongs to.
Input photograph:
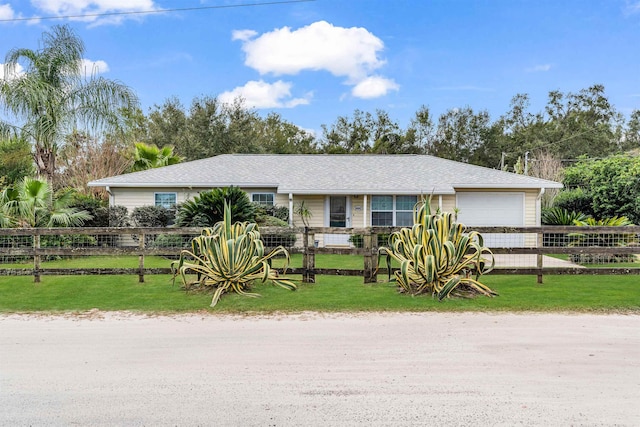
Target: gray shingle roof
(328, 174)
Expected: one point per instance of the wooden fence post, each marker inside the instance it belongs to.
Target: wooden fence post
(309, 257)
(36, 258)
(539, 256)
(367, 246)
(141, 258)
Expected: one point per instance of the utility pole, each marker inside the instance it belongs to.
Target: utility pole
(526, 163)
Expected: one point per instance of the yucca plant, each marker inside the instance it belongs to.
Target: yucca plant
(229, 257)
(561, 216)
(436, 256)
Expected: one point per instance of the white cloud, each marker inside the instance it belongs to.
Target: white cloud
(374, 87)
(93, 7)
(90, 68)
(539, 68)
(349, 52)
(259, 94)
(6, 12)
(352, 53)
(243, 35)
(17, 72)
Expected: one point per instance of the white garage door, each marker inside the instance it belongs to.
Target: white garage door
(493, 209)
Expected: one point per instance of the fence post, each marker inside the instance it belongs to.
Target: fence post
(539, 256)
(141, 258)
(367, 246)
(309, 257)
(36, 258)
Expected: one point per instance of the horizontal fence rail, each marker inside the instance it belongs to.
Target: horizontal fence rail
(519, 250)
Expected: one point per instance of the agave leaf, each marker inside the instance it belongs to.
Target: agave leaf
(229, 258)
(437, 256)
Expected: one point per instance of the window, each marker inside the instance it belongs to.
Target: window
(388, 211)
(382, 211)
(166, 200)
(404, 210)
(265, 199)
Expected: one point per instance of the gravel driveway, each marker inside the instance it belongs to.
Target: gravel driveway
(122, 369)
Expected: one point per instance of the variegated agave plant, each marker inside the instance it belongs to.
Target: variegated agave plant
(436, 256)
(229, 257)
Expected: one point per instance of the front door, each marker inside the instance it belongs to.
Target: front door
(339, 215)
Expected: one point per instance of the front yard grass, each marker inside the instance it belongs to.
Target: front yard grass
(329, 294)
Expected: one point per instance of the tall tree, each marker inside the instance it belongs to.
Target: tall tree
(632, 132)
(167, 125)
(349, 135)
(53, 96)
(215, 128)
(421, 133)
(277, 136)
(460, 133)
(583, 123)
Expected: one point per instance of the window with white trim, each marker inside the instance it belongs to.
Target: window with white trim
(382, 211)
(166, 200)
(404, 210)
(264, 199)
(389, 211)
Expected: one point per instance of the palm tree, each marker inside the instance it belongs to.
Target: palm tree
(149, 156)
(54, 97)
(32, 204)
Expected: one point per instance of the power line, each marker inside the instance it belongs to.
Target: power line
(147, 12)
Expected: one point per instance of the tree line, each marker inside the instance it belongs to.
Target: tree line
(571, 125)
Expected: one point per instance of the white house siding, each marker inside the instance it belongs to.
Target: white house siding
(135, 197)
(132, 198)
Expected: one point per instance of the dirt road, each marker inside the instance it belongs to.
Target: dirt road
(320, 370)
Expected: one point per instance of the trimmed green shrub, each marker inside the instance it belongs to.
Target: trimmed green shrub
(280, 212)
(574, 200)
(152, 216)
(119, 216)
(97, 208)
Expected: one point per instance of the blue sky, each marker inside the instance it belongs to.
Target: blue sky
(314, 61)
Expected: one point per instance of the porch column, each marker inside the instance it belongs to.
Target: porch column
(291, 209)
(364, 211)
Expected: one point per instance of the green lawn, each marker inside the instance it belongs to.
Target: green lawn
(329, 294)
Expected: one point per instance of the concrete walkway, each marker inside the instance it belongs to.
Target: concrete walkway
(507, 260)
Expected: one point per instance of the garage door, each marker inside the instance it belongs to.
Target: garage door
(493, 209)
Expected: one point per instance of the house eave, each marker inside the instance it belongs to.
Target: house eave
(518, 186)
(180, 184)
